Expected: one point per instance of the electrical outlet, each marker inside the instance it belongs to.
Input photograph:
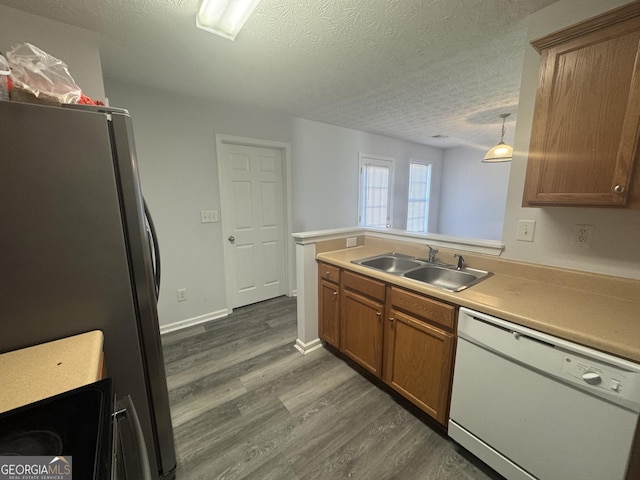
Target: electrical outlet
(526, 230)
(352, 241)
(182, 294)
(582, 235)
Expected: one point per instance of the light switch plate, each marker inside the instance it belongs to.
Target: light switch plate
(526, 230)
(208, 216)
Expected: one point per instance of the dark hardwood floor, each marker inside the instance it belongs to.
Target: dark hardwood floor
(247, 405)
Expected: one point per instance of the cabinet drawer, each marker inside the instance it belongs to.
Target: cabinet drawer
(363, 285)
(422, 307)
(329, 272)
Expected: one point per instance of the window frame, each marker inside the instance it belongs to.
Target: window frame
(428, 201)
(375, 160)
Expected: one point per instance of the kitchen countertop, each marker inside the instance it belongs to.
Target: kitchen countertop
(34, 373)
(578, 306)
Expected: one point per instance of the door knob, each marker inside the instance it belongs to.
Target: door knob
(232, 238)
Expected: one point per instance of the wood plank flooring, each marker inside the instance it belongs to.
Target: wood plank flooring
(246, 405)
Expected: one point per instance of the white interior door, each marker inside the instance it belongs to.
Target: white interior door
(252, 191)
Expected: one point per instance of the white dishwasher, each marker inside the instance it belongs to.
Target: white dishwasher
(533, 406)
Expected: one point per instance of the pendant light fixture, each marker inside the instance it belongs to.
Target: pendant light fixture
(501, 152)
(225, 17)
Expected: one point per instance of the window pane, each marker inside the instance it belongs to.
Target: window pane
(418, 206)
(375, 194)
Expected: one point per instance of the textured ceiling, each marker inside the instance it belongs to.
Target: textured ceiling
(409, 69)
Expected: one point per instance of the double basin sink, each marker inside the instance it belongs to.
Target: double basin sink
(446, 277)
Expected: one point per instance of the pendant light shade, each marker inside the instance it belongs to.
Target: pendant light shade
(501, 152)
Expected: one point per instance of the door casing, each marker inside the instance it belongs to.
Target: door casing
(285, 148)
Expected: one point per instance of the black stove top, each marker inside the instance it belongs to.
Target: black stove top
(32, 443)
(76, 423)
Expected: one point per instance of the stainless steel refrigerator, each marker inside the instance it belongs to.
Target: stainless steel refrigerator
(75, 251)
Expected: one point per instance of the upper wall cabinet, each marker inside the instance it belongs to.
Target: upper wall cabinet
(584, 139)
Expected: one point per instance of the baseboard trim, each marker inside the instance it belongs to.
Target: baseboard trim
(305, 348)
(190, 322)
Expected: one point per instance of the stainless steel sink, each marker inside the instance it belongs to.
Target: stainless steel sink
(447, 277)
(396, 263)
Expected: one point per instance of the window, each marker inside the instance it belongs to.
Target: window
(374, 202)
(418, 205)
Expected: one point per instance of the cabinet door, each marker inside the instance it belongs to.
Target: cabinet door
(587, 115)
(329, 313)
(419, 363)
(361, 331)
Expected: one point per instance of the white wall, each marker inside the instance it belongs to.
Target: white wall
(472, 204)
(77, 47)
(175, 142)
(325, 173)
(616, 238)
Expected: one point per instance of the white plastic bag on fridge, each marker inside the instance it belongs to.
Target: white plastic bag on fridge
(41, 74)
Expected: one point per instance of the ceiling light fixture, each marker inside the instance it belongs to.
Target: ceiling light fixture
(501, 152)
(225, 17)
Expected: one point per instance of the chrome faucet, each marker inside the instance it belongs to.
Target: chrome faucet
(432, 254)
(460, 261)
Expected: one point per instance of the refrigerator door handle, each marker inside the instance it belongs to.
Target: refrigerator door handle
(152, 237)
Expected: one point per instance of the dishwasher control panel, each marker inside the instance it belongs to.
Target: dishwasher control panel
(600, 376)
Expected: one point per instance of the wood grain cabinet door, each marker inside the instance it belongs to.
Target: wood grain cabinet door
(329, 313)
(584, 138)
(419, 363)
(361, 331)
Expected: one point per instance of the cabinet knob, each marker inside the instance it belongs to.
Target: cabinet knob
(618, 189)
(335, 294)
(328, 273)
(391, 319)
(379, 314)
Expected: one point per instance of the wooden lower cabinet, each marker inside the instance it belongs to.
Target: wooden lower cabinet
(419, 349)
(361, 327)
(329, 303)
(329, 313)
(418, 362)
(404, 338)
(361, 331)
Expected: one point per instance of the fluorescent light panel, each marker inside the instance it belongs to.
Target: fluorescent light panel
(225, 17)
